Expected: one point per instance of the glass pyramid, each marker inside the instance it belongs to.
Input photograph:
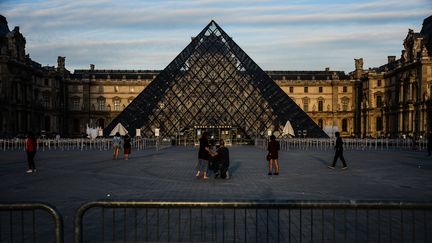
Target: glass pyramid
(213, 84)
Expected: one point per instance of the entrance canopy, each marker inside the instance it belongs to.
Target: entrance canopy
(119, 128)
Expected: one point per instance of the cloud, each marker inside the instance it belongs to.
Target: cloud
(279, 34)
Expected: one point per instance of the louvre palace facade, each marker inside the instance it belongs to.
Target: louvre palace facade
(391, 100)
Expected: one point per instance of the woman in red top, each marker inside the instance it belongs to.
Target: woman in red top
(31, 152)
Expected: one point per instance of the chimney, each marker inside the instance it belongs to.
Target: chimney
(92, 66)
(60, 63)
(391, 59)
(358, 68)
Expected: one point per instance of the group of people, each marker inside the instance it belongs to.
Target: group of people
(120, 144)
(216, 160)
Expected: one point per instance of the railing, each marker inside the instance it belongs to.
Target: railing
(66, 144)
(289, 221)
(349, 144)
(25, 222)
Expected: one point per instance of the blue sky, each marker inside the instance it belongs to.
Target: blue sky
(278, 35)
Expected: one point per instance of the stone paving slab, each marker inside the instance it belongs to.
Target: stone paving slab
(66, 179)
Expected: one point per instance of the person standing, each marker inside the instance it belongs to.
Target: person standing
(203, 156)
(273, 155)
(31, 146)
(117, 143)
(127, 146)
(339, 152)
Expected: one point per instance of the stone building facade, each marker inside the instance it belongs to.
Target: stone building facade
(326, 96)
(32, 97)
(391, 100)
(97, 96)
(395, 98)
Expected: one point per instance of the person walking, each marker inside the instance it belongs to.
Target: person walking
(117, 143)
(339, 152)
(273, 155)
(127, 146)
(203, 156)
(31, 146)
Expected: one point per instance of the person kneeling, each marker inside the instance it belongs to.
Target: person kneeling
(222, 161)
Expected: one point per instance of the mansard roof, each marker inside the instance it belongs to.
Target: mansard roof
(150, 74)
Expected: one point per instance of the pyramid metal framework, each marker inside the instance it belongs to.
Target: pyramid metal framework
(213, 83)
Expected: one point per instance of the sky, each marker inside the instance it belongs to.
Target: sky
(277, 35)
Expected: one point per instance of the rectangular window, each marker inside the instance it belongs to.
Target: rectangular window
(75, 105)
(116, 105)
(320, 105)
(101, 105)
(379, 82)
(345, 89)
(291, 89)
(344, 106)
(344, 125)
(76, 125)
(379, 124)
(306, 106)
(378, 101)
(305, 89)
(45, 101)
(320, 89)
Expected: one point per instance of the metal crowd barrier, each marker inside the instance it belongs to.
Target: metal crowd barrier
(288, 221)
(324, 144)
(66, 144)
(24, 222)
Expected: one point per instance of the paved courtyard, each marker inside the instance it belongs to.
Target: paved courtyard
(66, 179)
